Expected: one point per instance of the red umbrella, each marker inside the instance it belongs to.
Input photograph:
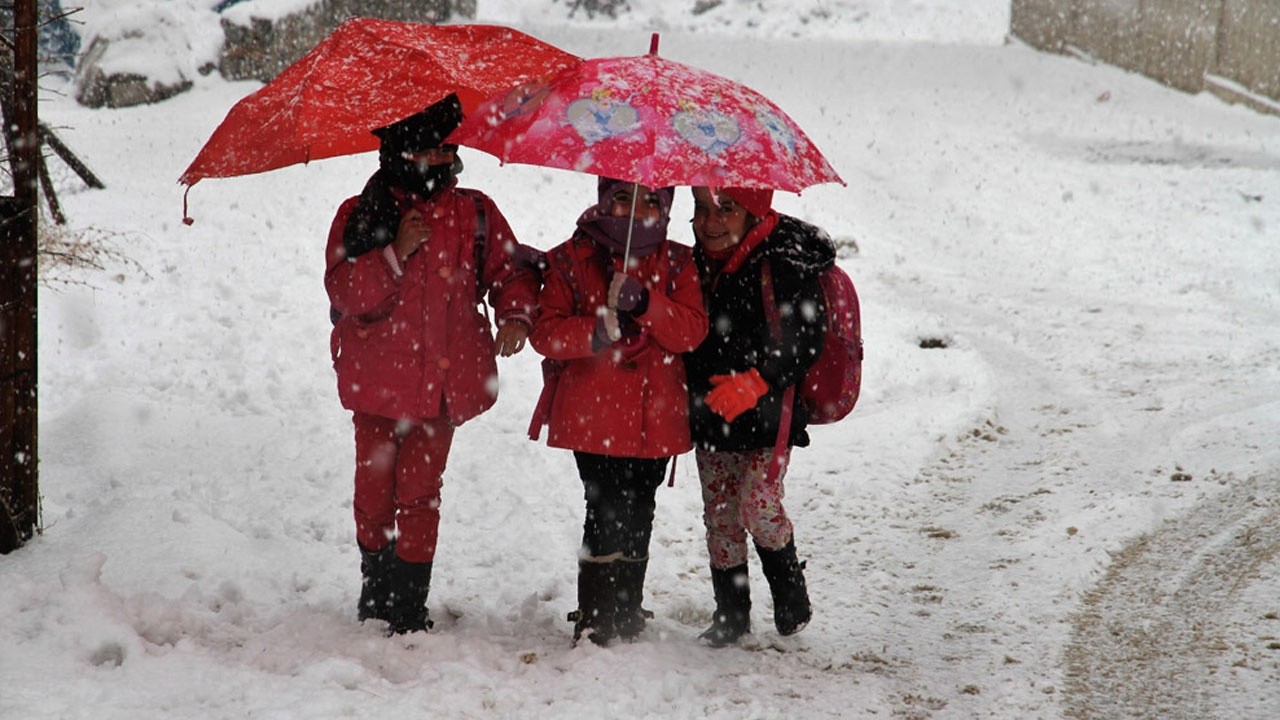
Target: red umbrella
(651, 121)
(366, 74)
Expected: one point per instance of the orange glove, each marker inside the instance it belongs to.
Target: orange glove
(736, 393)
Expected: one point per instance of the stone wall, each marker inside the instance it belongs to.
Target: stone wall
(257, 49)
(262, 49)
(1228, 47)
(96, 88)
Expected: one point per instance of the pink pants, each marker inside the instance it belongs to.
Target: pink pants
(399, 473)
(737, 499)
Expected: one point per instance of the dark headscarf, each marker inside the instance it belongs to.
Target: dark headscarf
(416, 133)
(376, 218)
(611, 232)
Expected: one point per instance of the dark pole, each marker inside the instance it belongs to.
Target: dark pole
(19, 494)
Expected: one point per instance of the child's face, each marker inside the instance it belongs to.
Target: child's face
(423, 159)
(648, 204)
(718, 223)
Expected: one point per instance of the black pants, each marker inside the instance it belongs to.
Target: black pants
(620, 494)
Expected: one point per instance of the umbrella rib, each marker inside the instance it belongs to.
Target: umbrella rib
(654, 79)
(385, 40)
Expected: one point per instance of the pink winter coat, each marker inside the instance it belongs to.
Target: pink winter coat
(624, 400)
(413, 341)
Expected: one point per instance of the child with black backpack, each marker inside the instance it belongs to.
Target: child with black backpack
(744, 412)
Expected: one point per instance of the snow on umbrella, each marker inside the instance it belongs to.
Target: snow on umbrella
(366, 74)
(649, 120)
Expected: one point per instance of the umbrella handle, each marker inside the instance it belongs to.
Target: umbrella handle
(631, 223)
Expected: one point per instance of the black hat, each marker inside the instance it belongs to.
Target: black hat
(423, 130)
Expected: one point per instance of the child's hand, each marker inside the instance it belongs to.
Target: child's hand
(412, 233)
(510, 338)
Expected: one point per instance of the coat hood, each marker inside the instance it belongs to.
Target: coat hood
(805, 247)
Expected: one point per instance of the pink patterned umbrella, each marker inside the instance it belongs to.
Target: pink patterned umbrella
(651, 121)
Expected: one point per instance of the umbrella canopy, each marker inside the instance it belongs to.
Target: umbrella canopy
(649, 120)
(368, 73)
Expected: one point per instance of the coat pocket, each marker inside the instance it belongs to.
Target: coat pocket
(376, 367)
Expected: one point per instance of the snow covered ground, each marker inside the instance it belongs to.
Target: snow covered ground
(1069, 511)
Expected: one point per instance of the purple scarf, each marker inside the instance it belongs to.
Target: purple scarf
(611, 232)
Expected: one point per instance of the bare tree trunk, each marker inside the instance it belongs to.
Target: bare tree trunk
(19, 493)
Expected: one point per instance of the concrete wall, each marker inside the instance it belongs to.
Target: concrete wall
(1249, 45)
(1229, 47)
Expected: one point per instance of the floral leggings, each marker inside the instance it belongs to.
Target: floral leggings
(736, 499)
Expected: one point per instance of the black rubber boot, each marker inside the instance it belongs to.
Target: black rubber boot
(375, 588)
(410, 584)
(732, 618)
(630, 618)
(791, 611)
(597, 601)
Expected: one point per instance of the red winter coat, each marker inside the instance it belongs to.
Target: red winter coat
(411, 337)
(622, 401)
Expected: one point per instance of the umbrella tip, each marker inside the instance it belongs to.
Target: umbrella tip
(653, 44)
(186, 218)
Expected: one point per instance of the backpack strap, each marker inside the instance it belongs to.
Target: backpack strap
(774, 319)
(677, 257)
(481, 237)
(482, 233)
(559, 260)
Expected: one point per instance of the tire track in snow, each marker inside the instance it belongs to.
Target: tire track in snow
(1166, 634)
(1088, 444)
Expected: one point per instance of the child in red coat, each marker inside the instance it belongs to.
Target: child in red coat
(616, 333)
(410, 260)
